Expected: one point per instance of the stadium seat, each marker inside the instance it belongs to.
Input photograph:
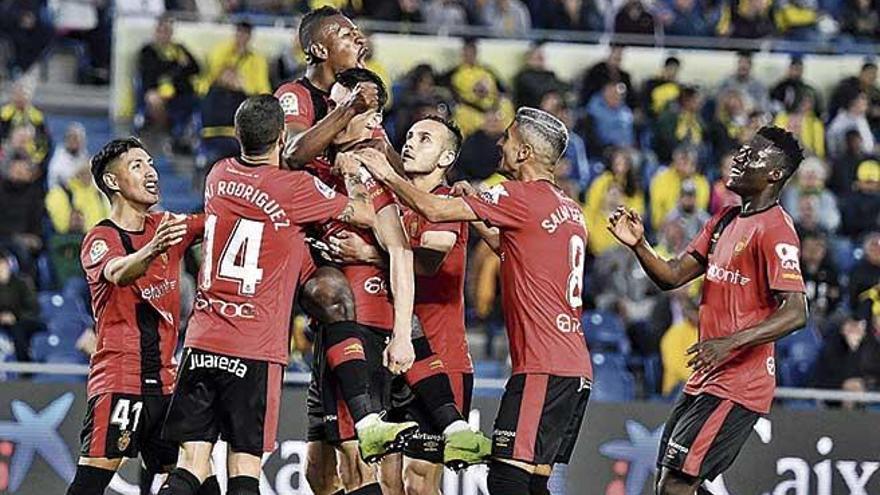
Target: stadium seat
(604, 331)
(612, 381)
(795, 356)
(54, 304)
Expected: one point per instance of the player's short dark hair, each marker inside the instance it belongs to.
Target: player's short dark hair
(453, 129)
(350, 78)
(672, 61)
(108, 154)
(787, 143)
(259, 122)
(311, 23)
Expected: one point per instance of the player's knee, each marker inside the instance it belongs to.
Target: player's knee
(90, 479)
(506, 479)
(353, 472)
(328, 297)
(321, 479)
(418, 479)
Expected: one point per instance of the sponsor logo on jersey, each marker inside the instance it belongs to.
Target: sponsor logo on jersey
(98, 249)
(228, 309)
(374, 285)
(289, 103)
(788, 255)
(771, 366)
(721, 274)
(223, 363)
(156, 291)
(494, 194)
(324, 189)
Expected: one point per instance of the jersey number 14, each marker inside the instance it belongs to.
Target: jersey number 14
(239, 259)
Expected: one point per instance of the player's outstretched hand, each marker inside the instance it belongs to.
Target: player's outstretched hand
(171, 230)
(463, 188)
(626, 225)
(708, 354)
(399, 355)
(346, 164)
(346, 247)
(364, 96)
(376, 162)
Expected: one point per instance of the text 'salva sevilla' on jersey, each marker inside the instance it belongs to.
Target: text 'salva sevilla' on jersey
(543, 242)
(253, 253)
(304, 105)
(439, 301)
(755, 256)
(136, 324)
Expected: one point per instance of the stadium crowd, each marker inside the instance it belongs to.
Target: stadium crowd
(660, 146)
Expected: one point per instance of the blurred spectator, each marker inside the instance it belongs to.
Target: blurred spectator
(731, 117)
(686, 211)
(721, 196)
(853, 116)
(634, 18)
(67, 159)
(29, 32)
(575, 155)
(218, 118)
(480, 152)
(573, 15)
(18, 309)
(821, 278)
(477, 89)
(611, 121)
(534, 80)
(844, 167)
(860, 208)
(601, 240)
(861, 20)
(21, 209)
(811, 177)
(620, 171)
(606, 71)
(666, 185)
(745, 19)
(677, 339)
(444, 14)
(290, 64)
(849, 88)
(754, 92)
(22, 140)
(797, 19)
(421, 96)
(251, 67)
(505, 17)
(400, 11)
(801, 120)
(662, 89)
(688, 19)
(679, 124)
(167, 72)
(865, 276)
(76, 205)
(20, 112)
(852, 354)
(96, 37)
(792, 88)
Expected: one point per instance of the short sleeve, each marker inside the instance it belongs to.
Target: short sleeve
(780, 249)
(296, 101)
(504, 205)
(313, 201)
(100, 247)
(699, 246)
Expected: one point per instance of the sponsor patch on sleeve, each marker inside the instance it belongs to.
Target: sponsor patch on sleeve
(494, 194)
(98, 250)
(289, 103)
(324, 189)
(788, 256)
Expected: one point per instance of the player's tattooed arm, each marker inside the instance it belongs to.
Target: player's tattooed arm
(626, 225)
(303, 144)
(359, 210)
(491, 235)
(126, 269)
(788, 317)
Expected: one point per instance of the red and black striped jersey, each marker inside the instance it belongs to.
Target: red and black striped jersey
(137, 324)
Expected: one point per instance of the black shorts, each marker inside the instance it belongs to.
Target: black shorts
(704, 435)
(226, 397)
(540, 418)
(427, 443)
(329, 418)
(125, 425)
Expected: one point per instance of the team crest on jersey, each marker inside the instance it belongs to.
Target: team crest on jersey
(788, 255)
(324, 189)
(741, 245)
(289, 103)
(494, 194)
(124, 440)
(98, 250)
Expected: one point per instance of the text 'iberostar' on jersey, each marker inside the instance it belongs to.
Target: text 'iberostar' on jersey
(755, 256)
(136, 324)
(543, 248)
(252, 256)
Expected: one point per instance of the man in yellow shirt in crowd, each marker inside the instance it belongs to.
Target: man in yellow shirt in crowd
(677, 339)
(666, 185)
(251, 67)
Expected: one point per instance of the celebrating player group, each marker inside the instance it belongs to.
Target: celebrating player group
(372, 242)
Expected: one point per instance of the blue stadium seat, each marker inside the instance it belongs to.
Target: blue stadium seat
(612, 381)
(842, 253)
(604, 331)
(795, 356)
(54, 304)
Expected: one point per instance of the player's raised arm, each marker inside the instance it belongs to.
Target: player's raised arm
(627, 227)
(126, 269)
(304, 143)
(491, 235)
(359, 211)
(434, 208)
